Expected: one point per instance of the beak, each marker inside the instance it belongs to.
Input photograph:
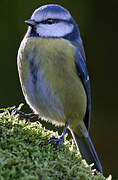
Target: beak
(30, 22)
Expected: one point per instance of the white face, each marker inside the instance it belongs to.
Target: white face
(58, 29)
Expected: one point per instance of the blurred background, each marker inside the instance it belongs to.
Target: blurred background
(99, 27)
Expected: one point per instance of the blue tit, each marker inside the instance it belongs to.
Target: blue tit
(54, 77)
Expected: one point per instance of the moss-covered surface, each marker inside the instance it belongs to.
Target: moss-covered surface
(26, 155)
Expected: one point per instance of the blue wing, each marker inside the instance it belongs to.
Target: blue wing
(83, 74)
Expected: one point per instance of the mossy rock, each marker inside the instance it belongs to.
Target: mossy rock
(26, 155)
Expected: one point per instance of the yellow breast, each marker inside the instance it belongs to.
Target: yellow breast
(56, 72)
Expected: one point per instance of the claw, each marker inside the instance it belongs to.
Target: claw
(53, 139)
(22, 115)
(59, 140)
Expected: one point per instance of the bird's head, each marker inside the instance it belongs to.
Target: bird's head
(52, 21)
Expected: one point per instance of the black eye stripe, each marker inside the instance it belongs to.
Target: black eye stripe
(48, 21)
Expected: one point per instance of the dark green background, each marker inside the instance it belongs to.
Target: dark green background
(98, 26)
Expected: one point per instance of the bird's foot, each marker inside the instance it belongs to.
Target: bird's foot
(61, 139)
(22, 115)
(58, 140)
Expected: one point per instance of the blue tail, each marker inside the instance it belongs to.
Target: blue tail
(88, 152)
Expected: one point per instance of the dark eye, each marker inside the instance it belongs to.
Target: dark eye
(49, 21)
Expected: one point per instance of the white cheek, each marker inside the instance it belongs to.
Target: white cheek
(54, 30)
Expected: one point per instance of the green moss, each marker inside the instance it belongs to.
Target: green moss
(26, 155)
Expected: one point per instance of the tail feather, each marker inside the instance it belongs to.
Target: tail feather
(87, 151)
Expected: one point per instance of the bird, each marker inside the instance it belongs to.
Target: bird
(54, 77)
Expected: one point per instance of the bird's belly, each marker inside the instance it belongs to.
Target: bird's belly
(51, 85)
(56, 97)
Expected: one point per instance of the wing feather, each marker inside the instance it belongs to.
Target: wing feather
(83, 74)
